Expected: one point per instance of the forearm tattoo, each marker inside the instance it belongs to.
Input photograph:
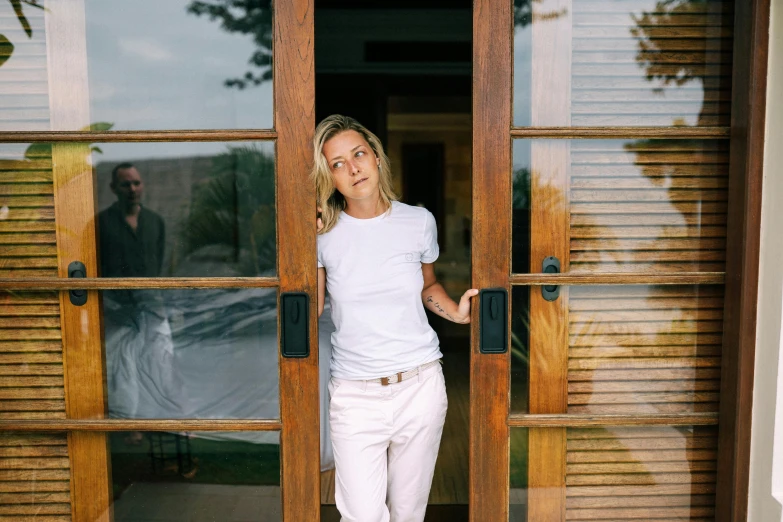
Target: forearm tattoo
(439, 308)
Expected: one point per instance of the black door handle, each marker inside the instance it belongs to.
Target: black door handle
(493, 335)
(551, 265)
(77, 270)
(295, 324)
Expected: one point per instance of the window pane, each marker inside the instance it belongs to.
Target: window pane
(195, 477)
(622, 62)
(629, 205)
(28, 244)
(24, 82)
(144, 65)
(35, 476)
(154, 476)
(617, 473)
(207, 354)
(631, 349)
(520, 347)
(170, 65)
(185, 209)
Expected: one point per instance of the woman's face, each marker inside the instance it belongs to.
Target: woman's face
(353, 164)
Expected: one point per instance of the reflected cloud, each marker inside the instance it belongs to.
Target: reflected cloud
(145, 49)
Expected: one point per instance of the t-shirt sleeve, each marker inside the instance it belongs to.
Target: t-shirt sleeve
(430, 250)
(318, 255)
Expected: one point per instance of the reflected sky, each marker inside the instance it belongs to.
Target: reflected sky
(152, 65)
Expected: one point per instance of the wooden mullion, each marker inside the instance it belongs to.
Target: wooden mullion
(99, 283)
(136, 136)
(135, 283)
(490, 373)
(576, 420)
(682, 278)
(621, 132)
(105, 425)
(294, 99)
(748, 106)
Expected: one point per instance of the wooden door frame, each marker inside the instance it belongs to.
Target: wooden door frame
(490, 254)
(294, 92)
(746, 169)
(492, 134)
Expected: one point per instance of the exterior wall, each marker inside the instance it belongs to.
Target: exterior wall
(766, 466)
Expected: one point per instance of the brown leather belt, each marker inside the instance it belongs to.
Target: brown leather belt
(401, 376)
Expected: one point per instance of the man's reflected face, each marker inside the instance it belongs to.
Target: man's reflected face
(128, 186)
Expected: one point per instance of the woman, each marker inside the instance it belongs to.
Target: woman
(388, 397)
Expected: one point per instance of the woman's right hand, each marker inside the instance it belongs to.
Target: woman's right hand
(319, 224)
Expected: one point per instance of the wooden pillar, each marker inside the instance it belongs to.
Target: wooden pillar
(66, 45)
(549, 236)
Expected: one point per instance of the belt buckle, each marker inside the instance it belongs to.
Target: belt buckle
(385, 380)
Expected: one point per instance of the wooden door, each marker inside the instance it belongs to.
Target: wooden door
(162, 97)
(601, 138)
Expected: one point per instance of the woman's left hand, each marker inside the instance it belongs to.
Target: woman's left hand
(463, 309)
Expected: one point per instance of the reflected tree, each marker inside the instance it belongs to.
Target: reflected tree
(692, 57)
(249, 17)
(6, 47)
(684, 168)
(665, 61)
(524, 12)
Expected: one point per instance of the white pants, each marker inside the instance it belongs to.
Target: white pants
(385, 441)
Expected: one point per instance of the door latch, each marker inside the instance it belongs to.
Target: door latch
(551, 265)
(294, 337)
(77, 270)
(493, 317)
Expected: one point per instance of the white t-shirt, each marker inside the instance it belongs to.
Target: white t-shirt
(374, 281)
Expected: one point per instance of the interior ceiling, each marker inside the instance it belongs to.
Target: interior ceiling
(393, 4)
(400, 37)
(368, 52)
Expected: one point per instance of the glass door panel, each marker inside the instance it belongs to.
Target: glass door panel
(636, 205)
(604, 217)
(186, 313)
(631, 348)
(624, 473)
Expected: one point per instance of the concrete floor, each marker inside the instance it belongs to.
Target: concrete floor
(170, 502)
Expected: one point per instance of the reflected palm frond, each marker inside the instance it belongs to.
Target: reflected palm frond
(234, 208)
(6, 47)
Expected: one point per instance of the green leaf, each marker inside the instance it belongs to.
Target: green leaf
(38, 151)
(100, 126)
(17, 4)
(6, 49)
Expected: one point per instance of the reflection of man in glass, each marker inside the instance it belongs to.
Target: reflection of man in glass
(132, 237)
(139, 348)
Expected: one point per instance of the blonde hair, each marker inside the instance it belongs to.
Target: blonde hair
(329, 199)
